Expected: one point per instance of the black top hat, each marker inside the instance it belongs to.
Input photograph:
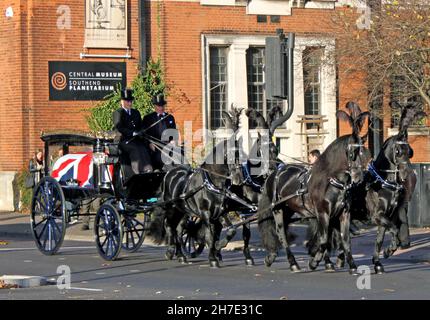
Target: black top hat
(127, 94)
(158, 100)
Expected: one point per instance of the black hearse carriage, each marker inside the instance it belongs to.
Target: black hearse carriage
(127, 199)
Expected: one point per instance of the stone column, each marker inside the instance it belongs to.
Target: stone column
(238, 87)
(292, 146)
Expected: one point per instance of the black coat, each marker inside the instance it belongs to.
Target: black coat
(156, 130)
(127, 124)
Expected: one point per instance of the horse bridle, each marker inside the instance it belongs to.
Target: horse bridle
(396, 187)
(396, 163)
(345, 185)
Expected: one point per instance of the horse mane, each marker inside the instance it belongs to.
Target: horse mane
(274, 114)
(256, 119)
(355, 118)
(232, 120)
(411, 112)
(333, 159)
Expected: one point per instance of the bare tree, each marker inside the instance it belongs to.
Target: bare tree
(387, 46)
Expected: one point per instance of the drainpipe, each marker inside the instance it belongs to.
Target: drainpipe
(288, 46)
(142, 37)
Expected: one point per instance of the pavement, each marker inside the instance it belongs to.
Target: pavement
(147, 275)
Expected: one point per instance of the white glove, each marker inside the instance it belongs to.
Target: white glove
(135, 134)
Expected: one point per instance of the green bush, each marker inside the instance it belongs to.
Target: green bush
(144, 87)
(25, 194)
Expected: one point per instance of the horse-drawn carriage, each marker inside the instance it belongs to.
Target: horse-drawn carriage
(92, 168)
(207, 193)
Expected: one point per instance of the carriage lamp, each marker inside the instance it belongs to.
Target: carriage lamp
(99, 155)
(100, 161)
(99, 158)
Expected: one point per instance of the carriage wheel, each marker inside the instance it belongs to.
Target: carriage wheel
(192, 244)
(108, 232)
(48, 216)
(134, 232)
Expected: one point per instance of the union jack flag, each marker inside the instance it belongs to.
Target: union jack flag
(77, 166)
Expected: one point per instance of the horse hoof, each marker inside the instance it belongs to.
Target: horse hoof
(353, 271)
(182, 260)
(379, 269)
(340, 263)
(214, 264)
(295, 268)
(169, 255)
(268, 262)
(329, 267)
(387, 254)
(249, 262)
(313, 265)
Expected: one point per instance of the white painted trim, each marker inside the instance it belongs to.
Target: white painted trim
(205, 80)
(351, 3)
(218, 2)
(269, 7)
(412, 131)
(322, 5)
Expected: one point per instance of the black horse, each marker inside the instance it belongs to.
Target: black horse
(262, 160)
(201, 192)
(384, 194)
(321, 193)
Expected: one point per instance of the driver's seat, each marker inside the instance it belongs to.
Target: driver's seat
(123, 171)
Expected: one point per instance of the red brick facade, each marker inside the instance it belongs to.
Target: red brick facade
(30, 39)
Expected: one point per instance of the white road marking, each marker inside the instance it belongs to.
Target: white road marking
(28, 249)
(86, 289)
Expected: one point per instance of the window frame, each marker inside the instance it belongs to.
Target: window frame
(265, 101)
(210, 88)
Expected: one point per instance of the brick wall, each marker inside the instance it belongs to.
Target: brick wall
(30, 39)
(12, 116)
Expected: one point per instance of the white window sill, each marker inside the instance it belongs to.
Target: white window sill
(218, 2)
(412, 131)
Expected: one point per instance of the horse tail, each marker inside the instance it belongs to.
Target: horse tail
(266, 223)
(157, 229)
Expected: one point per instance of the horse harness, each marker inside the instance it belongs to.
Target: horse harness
(396, 188)
(305, 176)
(208, 185)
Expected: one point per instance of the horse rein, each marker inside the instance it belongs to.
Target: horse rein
(395, 162)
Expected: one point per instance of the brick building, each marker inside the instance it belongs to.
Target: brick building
(212, 52)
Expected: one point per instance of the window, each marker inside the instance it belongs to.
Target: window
(312, 81)
(275, 19)
(255, 77)
(218, 85)
(261, 19)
